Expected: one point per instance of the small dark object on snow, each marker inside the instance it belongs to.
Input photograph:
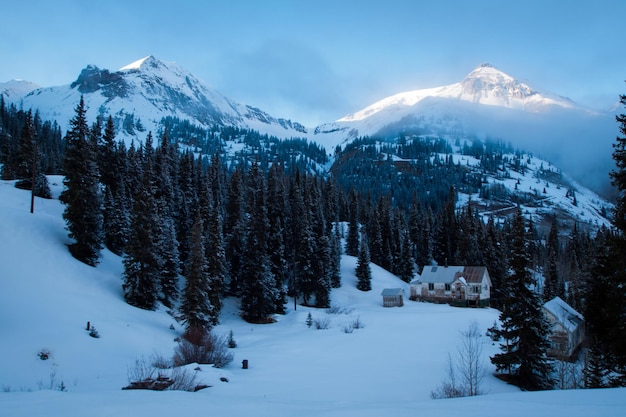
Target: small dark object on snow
(244, 364)
(223, 379)
(159, 384)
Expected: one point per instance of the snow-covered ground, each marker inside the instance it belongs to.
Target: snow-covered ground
(388, 367)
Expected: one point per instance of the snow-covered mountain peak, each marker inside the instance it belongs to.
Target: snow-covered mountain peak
(141, 94)
(485, 85)
(16, 88)
(140, 63)
(488, 85)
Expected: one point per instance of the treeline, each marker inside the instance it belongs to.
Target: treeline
(227, 229)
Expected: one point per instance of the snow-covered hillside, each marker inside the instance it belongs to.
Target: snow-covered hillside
(388, 367)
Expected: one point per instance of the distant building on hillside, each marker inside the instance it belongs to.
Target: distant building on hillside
(461, 286)
(567, 328)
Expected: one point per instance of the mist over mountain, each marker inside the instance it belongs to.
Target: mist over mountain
(489, 103)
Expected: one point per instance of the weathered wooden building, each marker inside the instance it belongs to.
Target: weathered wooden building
(567, 328)
(393, 297)
(462, 286)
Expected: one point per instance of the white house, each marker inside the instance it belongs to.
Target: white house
(462, 286)
(567, 328)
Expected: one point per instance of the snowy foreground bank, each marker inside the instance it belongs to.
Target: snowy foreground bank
(387, 368)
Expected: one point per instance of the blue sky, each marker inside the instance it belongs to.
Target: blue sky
(315, 61)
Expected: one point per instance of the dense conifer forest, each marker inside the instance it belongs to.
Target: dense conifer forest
(199, 215)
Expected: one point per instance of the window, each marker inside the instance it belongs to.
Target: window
(447, 287)
(476, 289)
(431, 286)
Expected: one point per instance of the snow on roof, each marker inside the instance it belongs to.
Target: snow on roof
(447, 274)
(564, 313)
(392, 292)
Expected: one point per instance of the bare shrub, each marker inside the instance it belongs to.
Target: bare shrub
(201, 346)
(353, 325)
(321, 324)
(141, 371)
(183, 379)
(152, 374)
(160, 362)
(357, 323)
(335, 309)
(468, 365)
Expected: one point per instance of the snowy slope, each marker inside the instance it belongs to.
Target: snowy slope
(388, 367)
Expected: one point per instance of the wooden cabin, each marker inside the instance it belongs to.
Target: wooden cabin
(461, 286)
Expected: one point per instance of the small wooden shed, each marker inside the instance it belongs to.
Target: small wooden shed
(567, 328)
(393, 297)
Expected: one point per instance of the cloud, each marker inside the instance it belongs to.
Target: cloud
(287, 80)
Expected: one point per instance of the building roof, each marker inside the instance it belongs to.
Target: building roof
(564, 313)
(392, 292)
(448, 274)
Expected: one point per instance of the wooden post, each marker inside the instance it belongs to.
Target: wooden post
(88, 326)
(32, 194)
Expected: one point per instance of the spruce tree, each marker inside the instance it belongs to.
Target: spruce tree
(195, 306)
(258, 298)
(216, 261)
(553, 286)
(352, 241)
(141, 260)
(82, 195)
(523, 326)
(363, 271)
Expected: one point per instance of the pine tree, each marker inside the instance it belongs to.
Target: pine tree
(216, 261)
(618, 250)
(335, 257)
(352, 241)
(524, 328)
(82, 195)
(141, 262)
(553, 286)
(363, 271)
(235, 232)
(195, 306)
(277, 208)
(258, 298)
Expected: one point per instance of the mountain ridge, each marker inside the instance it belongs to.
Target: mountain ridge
(487, 103)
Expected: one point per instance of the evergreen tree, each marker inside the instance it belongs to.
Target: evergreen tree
(195, 307)
(335, 257)
(258, 298)
(352, 241)
(235, 232)
(523, 326)
(363, 271)
(277, 208)
(82, 195)
(141, 260)
(216, 261)
(553, 286)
